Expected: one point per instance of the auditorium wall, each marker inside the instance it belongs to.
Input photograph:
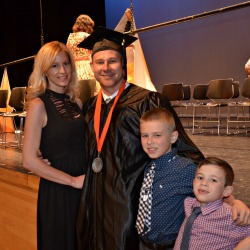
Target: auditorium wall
(191, 52)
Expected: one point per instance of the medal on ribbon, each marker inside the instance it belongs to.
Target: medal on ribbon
(97, 163)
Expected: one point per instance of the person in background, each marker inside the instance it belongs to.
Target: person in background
(55, 126)
(214, 227)
(82, 28)
(109, 201)
(247, 68)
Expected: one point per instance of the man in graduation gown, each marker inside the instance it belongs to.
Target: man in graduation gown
(109, 201)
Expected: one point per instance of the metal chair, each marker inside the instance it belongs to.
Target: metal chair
(173, 91)
(244, 116)
(3, 100)
(16, 101)
(187, 92)
(3, 109)
(175, 94)
(185, 103)
(236, 86)
(187, 96)
(220, 92)
(22, 116)
(199, 104)
(233, 105)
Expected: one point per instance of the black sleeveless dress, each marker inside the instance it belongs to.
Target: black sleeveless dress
(62, 142)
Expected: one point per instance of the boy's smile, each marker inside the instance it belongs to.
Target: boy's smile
(156, 139)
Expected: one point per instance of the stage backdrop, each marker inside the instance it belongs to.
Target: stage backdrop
(192, 52)
(21, 29)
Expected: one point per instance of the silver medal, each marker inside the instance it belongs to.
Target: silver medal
(97, 165)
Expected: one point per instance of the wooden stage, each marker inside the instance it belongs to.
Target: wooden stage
(18, 188)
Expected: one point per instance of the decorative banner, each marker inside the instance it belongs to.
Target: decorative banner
(136, 64)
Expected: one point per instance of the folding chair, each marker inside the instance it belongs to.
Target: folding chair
(220, 92)
(17, 100)
(199, 104)
(175, 93)
(244, 106)
(3, 107)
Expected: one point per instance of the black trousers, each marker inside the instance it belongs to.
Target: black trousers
(152, 246)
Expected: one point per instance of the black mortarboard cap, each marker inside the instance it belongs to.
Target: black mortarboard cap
(105, 39)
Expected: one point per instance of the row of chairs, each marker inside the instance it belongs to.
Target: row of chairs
(16, 102)
(215, 95)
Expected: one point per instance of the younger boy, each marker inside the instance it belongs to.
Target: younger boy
(214, 227)
(172, 182)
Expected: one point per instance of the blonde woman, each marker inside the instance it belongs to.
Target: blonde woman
(55, 126)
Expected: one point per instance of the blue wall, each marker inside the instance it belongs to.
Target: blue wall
(192, 52)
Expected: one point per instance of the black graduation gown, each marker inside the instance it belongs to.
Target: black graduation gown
(109, 201)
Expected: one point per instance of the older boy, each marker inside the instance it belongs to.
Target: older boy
(172, 182)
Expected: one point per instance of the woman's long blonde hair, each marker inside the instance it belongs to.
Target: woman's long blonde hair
(38, 82)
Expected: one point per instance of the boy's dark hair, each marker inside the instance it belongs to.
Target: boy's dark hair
(159, 114)
(229, 173)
